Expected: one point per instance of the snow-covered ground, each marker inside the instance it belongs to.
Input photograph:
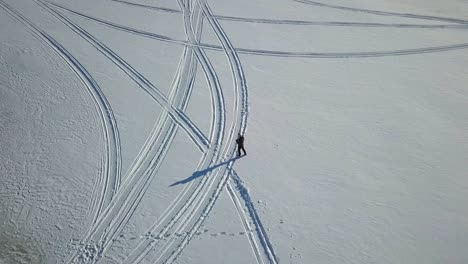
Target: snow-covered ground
(118, 121)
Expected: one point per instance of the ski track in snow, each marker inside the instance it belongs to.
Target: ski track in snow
(276, 53)
(109, 180)
(383, 13)
(299, 22)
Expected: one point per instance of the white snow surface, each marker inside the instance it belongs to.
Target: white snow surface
(118, 121)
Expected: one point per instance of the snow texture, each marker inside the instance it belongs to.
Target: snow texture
(118, 121)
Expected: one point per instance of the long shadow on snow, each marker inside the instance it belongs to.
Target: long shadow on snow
(204, 172)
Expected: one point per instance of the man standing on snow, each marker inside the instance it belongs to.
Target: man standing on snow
(240, 145)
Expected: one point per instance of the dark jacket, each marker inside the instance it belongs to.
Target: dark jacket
(240, 141)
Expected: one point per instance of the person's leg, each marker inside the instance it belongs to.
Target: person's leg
(243, 149)
(238, 150)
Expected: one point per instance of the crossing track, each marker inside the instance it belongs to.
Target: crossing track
(277, 53)
(300, 22)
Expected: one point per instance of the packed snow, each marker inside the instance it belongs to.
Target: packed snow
(119, 119)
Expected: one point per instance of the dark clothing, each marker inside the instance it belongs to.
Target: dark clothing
(240, 145)
(240, 141)
(239, 148)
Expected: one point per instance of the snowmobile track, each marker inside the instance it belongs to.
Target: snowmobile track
(114, 227)
(115, 232)
(239, 79)
(178, 116)
(217, 131)
(240, 84)
(300, 22)
(241, 88)
(383, 13)
(285, 54)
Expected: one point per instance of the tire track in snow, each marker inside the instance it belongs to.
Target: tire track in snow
(354, 55)
(142, 82)
(116, 226)
(110, 180)
(164, 9)
(210, 157)
(384, 13)
(118, 26)
(300, 22)
(189, 69)
(204, 186)
(178, 116)
(241, 90)
(144, 154)
(101, 246)
(275, 53)
(204, 212)
(239, 82)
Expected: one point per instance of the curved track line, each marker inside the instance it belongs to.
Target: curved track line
(235, 64)
(143, 154)
(383, 13)
(191, 69)
(240, 85)
(353, 55)
(157, 8)
(183, 82)
(178, 116)
(114, 233)
(274, 53)
(203, 189)
(238, 79)
(112, 161)
(125, 203)
(299, 22)
(188, 235)
(145, 246)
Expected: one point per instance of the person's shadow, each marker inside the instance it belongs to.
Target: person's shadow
(201, 173)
